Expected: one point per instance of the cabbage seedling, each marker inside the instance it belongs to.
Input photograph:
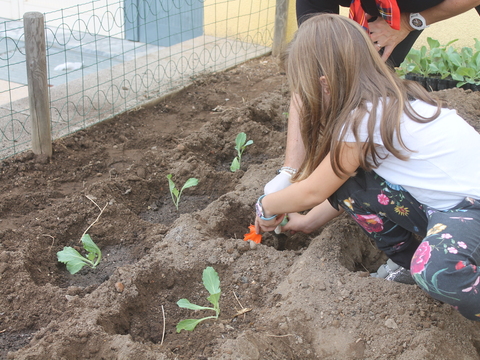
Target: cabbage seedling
(176, 194)
(75, 261)
(240, 144)
(211, 282)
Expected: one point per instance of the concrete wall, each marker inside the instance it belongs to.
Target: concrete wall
(464, 27)
(242, 17)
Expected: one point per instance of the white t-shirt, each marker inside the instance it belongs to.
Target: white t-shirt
(444, 164)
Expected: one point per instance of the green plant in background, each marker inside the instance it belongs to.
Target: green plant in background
(415, 62)
(176, 194)
(240, 144)
(444, 61)
(75, 261)
(424, 62)
(468, 70)
(440, 58)
(211, 281)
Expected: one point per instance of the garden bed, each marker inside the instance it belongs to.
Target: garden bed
(310, 296)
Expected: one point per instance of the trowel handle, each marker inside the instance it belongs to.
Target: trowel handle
(284, 222)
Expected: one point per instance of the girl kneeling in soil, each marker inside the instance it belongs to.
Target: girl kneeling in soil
(386, 152)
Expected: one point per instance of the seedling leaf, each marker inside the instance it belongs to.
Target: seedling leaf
(92, 249)
(175, 193)
(240, 144)
(189, 183)
(433, 43)
(214, 299)
(235, 165)
(211, 280)
(72, 258)
(171, 187)
(184, 303)
(75, 261)
(240, 140)
(190, 324)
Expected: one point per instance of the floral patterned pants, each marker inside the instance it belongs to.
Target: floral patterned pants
(444, 264)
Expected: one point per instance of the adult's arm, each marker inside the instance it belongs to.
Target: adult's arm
(448, 9)
(388, 38)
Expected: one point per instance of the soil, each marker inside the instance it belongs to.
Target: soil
(310, 296)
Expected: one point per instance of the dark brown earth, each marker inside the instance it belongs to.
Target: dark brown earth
(310, 296)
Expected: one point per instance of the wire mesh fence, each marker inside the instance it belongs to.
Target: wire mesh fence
(106, 57)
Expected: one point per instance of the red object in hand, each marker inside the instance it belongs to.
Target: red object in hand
(252, 235)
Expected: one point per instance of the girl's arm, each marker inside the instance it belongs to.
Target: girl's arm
(308, 193)
(295, 151)
(316, 218)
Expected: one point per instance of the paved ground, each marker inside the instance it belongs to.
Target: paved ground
(95, 77)
(68, 58)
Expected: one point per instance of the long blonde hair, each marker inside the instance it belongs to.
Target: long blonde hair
(339, 49)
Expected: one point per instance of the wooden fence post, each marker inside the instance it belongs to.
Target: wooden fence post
(280, 31)
(36, 54)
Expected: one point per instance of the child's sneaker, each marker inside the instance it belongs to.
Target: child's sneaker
(394, 272)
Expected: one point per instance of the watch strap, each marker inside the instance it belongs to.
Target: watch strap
(417, 21)
(260, 211)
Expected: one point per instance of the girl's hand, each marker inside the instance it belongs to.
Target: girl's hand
(313, 220)
(298, 223)
(262, 225)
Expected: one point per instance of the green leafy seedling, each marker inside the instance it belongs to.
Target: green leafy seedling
(240, 144)
(211, 282)
(444, 61)
(75, 261)
(176, 194)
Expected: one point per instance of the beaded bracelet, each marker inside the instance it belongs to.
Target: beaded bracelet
(287, 169)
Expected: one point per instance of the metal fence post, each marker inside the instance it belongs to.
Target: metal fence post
(36, 56)
(280, 31)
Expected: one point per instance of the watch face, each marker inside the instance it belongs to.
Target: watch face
(416, 22)
(259, 209)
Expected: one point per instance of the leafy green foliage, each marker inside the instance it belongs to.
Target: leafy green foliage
(176, 194)
(240, 144)
(75, 261)
(444, 61)
(211, 281)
